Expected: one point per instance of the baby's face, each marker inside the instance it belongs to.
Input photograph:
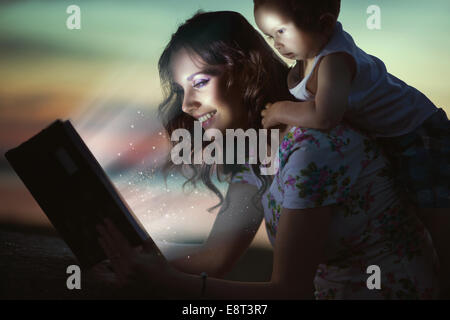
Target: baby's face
(290, 41)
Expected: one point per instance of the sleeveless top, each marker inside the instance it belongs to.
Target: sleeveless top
(379, 103)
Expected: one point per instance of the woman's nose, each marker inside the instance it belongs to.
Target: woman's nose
(189, 103)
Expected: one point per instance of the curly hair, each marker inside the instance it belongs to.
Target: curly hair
(304, 13)
(223, 38)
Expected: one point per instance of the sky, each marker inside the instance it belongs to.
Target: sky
(104, 78)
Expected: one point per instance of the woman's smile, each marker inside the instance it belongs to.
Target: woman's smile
(206, 96)
(207, 119)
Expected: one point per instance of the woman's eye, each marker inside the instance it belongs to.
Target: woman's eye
(200, 83)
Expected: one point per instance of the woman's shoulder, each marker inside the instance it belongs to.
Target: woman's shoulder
(314, 139)
(320, 168)
(337, 144)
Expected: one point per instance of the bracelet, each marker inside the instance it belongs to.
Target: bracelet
(203, 275)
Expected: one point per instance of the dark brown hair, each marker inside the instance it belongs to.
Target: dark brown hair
(304, 13)
(223, 38)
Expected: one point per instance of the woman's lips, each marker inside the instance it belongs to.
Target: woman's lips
(207, 123)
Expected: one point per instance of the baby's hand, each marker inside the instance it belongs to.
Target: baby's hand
(270, 113)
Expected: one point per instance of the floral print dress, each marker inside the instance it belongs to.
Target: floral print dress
(369, 226)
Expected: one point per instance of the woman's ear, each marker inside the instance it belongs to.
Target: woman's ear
(327, 23)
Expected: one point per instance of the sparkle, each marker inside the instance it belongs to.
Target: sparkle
(132, 126)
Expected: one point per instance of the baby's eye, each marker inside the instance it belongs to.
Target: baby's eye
(200, 83)
(281, 31)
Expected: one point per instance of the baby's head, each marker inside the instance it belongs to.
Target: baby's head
(299, 28)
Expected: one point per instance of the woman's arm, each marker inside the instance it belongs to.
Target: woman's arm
(299, 248)
(232, 233)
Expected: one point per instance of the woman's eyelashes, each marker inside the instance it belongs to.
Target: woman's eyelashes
(200, 83)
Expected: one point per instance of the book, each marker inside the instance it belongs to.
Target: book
(73, 190)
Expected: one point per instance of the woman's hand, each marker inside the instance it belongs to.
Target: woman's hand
(270, 114)
(133, 267)
(102, 272)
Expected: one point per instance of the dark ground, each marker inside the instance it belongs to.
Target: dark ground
(33, 265)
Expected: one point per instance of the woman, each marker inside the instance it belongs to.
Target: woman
(330, 210)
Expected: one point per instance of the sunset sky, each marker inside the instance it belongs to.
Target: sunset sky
(104, 78)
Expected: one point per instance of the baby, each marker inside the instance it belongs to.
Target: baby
(335, 80)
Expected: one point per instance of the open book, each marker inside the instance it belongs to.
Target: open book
(73, 190)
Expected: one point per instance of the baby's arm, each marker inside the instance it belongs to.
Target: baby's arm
(286, 112)
(327, 110)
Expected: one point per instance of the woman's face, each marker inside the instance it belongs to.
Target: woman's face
(205, 96)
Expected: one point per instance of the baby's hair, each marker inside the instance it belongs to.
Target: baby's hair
(304, 13)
